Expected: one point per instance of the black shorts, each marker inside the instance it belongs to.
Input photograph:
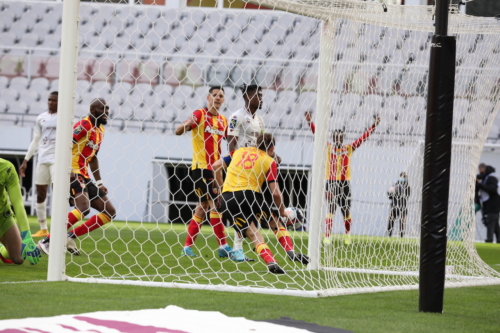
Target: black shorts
(83, 184)
(204, 184)
(399, 211)
(242, 208)
(340, 191)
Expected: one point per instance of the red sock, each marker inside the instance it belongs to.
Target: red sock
(265, 253)
(329, 225)
(284, 239)
(93, 223)
(218, 226)
(73, 217)
(193, 230)
(347, 223)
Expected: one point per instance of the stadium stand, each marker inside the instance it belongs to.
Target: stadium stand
(123, 62)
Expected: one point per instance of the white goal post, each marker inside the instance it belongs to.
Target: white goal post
(349, 63)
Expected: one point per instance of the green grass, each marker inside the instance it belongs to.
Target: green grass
(466, 309)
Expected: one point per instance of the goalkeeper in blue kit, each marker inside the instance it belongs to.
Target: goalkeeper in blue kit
(16, 243)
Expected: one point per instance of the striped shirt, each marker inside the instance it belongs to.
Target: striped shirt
(87, 140)
(338, 166)
(207, 134)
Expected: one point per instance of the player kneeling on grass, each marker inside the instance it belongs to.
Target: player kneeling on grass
(16, 246)
(84, 194)
(241, 201)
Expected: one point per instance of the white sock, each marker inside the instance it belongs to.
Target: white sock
(222, 247)
(238, 242)
(41, 214)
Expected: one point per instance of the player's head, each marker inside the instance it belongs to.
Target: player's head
(338, 137)
(266, 142)
(252, 94)
(99, 110)
(52, 101)
(403, 177)
(215, 97)
(481, 168)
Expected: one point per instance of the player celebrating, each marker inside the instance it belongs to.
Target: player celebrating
(247, 170)
(208, 128)
(17, 246)
(88, 134)
(44, 139)
(338, 176)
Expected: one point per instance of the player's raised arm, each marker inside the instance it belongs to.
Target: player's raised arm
(366, 134)
(189, 124)
(308, 117)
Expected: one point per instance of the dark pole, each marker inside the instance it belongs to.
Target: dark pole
(437, 162)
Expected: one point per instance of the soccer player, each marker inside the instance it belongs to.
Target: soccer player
(247, 170)
(245, 125)
(17, 246)
(44, 139)
(208, 128)
(88, 134)
(338, 176)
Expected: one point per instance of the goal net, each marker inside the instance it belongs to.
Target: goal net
(154, 66)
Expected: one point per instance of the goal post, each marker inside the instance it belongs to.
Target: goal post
(67, 80)
(361, 69)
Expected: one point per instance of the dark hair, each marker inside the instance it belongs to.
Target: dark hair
(403, 174)
(482, 165)
(215, 88)
(54, 93)
(265, 141)
(246, 89)
(338, 131)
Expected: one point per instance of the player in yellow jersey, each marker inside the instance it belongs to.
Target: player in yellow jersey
(338, 176)
(247, 169)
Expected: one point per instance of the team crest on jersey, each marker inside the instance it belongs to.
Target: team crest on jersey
(92, 145)
(78, 130)
(232, 124)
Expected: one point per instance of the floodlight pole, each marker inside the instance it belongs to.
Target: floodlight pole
(325, 82)
(437, 163)
(65, 112)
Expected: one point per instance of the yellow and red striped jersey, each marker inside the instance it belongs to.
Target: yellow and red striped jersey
(207, 134)
(248, 168)
(338, 166)
(87, 140)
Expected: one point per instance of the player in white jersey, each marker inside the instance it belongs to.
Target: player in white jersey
(245, 125)
(44, 139)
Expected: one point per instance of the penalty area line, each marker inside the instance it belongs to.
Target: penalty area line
(33, 281)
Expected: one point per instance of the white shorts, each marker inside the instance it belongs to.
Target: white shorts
(44, 174)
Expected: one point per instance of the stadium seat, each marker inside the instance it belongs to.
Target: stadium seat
(3, 106)
(19, 83)
(30, 96)
(8, 38)
(38, 107)
(18, 107)
(9, 95)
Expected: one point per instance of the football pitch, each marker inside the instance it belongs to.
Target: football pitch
(151, 253)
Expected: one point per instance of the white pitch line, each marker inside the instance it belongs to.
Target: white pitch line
(14, 282)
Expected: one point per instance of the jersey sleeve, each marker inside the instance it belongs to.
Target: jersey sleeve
(272, 173)
(197, 115)
(227, 159)
(234, 125)
(312, 126)
(38, 126)
(362, 138)
(80, 129)
(16, 198)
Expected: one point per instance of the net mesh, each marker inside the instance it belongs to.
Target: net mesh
(154, 65)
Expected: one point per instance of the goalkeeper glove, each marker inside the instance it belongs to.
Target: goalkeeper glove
(29, 249)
